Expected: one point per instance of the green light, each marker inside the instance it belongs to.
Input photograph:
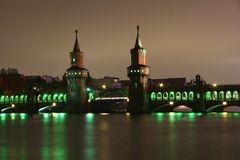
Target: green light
(13, 116)
(184, 96)
(153, 96)
(235, 96)
(89, 117)
(178, 96)
(159, 96)
(171, 96)
(46, 115)
(165, 96)
(3, 116)
(191, 116)
(191, 96)
(23, 116)
(159, 117)
(208, 96)
(221, 96)
(62, 115)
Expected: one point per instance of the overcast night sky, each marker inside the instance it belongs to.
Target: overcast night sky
(182, 37)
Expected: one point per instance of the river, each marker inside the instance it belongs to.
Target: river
(162, 136)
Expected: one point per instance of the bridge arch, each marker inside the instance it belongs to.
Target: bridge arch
(191, 96)
(221, 96)
(215, 95)
(228, 96)
(153, 96)
(235, 96)
(182, 108)
(184, 96)
(171, 96)
(232, 109)
(165, 96)
(178, 96)
(208, 96)
(159, 96)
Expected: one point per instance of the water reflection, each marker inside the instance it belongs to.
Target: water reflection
(91, 136)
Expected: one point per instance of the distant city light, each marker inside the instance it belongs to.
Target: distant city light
(214, 84)
(161, 84)
(13, 105)
(171, 103)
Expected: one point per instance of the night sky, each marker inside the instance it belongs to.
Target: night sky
(182, 37)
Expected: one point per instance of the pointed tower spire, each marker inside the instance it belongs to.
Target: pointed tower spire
(138, 43)
(76, 45)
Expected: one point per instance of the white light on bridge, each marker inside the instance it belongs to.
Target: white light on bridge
(224, 103)
(104, 86)
(54, 104)
(171, 103)
(13, 105)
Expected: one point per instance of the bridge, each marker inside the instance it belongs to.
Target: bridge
(205, 98)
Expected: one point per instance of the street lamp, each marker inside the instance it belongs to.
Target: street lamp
(224, 103)
(161, 85)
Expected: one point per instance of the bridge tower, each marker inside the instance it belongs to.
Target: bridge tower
(76, 79)
(199, 85)
(138, 73)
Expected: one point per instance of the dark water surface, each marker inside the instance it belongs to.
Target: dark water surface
(163, 136)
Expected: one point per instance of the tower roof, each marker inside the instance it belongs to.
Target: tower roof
(138, 43)
(76, 45)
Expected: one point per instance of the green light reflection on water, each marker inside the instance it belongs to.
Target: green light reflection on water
(54, 124)
(89, 117)
(13, 116)
(23, 116)
(191, 116)
(89, 137)
(3, 116)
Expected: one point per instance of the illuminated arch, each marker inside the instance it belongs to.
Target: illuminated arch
(21, 99)
(191, 96)
(2, 99)
(235, 96)
(55, 98)
(49, 98)
(16, 99)
(165, 96)
(208, 96)
(65, 98)
(182, 108)
(228, 95)
(178, 96)
(184, 96)
(221, 96)
(6, 100)
(153, 96)
(25, 99)
(11, 100)
(60, 97)
(215, 96)
(171, 96)
(39, 98)
(44, 98)
(159, 96)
